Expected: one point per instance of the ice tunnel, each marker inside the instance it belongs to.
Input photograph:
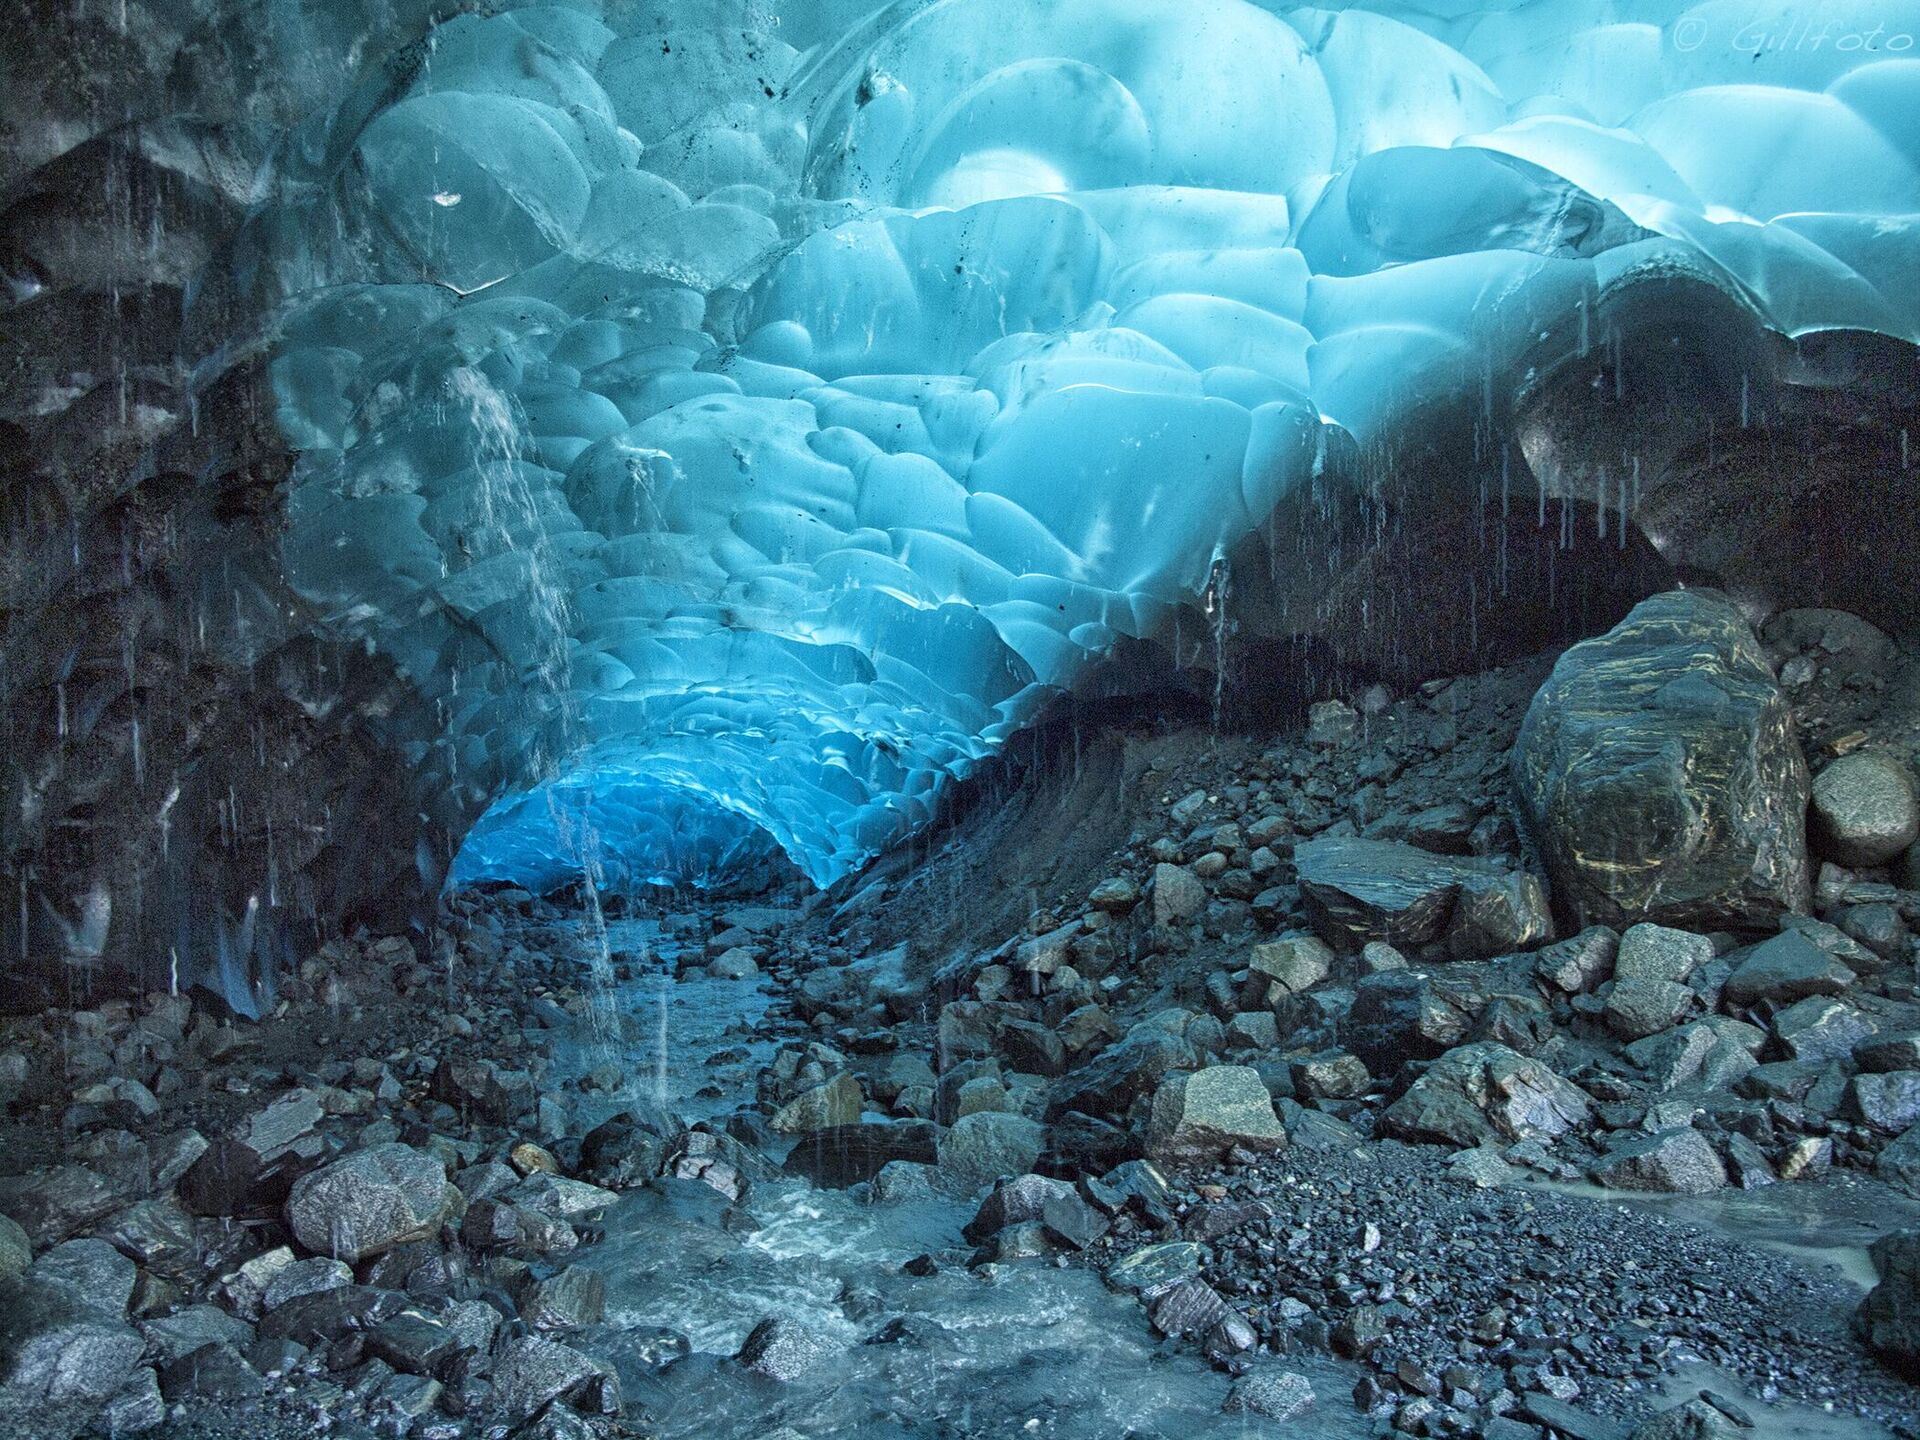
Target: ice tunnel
(722, 425)
(750, 419)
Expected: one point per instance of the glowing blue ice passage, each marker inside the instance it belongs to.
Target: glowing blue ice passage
(752, 419)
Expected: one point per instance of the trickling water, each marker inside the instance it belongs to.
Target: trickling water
(510, 523)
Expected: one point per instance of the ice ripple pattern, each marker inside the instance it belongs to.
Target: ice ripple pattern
(738, 440)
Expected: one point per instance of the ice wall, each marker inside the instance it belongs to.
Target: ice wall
(741, 421)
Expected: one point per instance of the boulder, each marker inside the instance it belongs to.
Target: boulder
(1677, 1162)
(1639, 1008)
(1483, 1092)
(1889, 1101)
(1360, 890)
(1889, 1318)
(1659, 952)
(1695, 1420)
(978, 1149)
(1899, 1164)
(370, 1201)
(1786, 968)
(1864, 811)
(1199, 1116)
(1820, 1028)
(1177, 894)
(783, 1349)
(530, 1373)
(849, 1154)
(823, 1107)
(1660, 775)
(1275, 1394)
(1295, 963)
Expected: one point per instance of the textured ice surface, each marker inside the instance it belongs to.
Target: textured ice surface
(752, 419)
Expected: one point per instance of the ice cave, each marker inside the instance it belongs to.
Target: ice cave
(960, 718)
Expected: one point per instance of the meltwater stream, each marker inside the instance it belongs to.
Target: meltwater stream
(1022, 1350)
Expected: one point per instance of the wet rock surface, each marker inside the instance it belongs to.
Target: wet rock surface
(1226, 1129)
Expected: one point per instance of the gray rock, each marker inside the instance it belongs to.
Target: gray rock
(1199, 1116)
(1864, 811)
(529, 1373)
(1331, 722)
(1678, 1162)
(213, 1372)
(978, 1149)
(822, 1107)
(136, 1407)
(1888, 1101)
(1638, 1008)
(1499, 915)
(1482, 1092)
(1330, 1074)
(734, 964)
(272, 1132)
(573, 1298)
(1899, 1051)
(52, 1204)
(1360, 890)
(1899, 1164)
(371, 1201)
(1889, 1318)
(1154, 1268)
(304, 1277)
(783, 1349)
(55, 1347)
(1659, 772)
(1695, 1420)
(1276, 1394)
(192, 1328)
(94, 1273)
(1819, 1028)
(1747, 1164)
(1659, 952)
(1786, 968)
(1177, 894)
(1295, 963)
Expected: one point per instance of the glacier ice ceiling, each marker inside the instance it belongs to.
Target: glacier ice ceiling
(682, 438)
(740, 420)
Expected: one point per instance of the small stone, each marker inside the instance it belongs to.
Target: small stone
(1807, 1157)
(1114, 896)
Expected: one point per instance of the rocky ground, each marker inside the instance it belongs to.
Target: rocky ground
(1413, 1065)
